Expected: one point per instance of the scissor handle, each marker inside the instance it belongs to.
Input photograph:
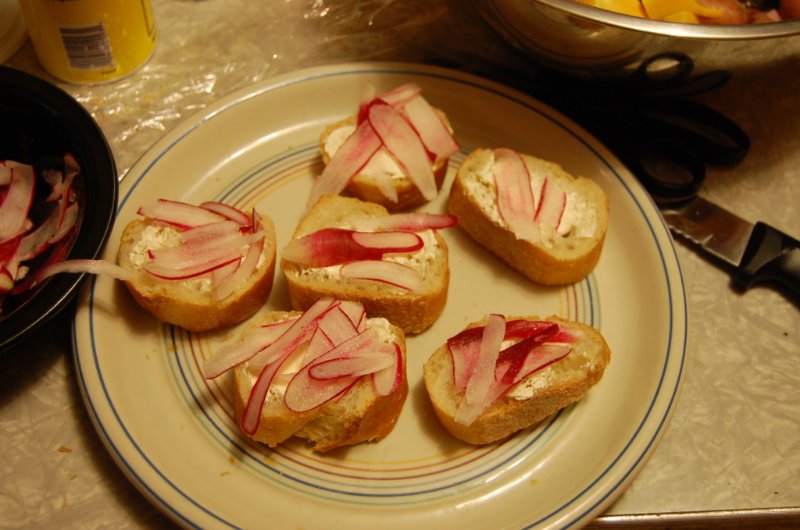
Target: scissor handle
(670, 173)
(718, 140)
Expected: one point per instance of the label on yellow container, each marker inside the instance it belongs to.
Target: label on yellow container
(90, 41)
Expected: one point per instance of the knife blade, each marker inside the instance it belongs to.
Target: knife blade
(757, 252)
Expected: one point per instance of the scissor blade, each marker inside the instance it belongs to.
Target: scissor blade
(715, 229)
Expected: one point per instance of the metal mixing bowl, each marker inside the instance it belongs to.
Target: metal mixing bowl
(589, 42)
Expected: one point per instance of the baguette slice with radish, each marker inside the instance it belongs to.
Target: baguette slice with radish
(504, 374)
(330, 375)
(200, 267)
(543, 222)
(394, 152)
(395, 264)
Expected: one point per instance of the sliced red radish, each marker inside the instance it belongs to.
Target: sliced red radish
(228, 211)
(388, 380)
(512, 359)
(392, 273)
(552, 204)
(337, 326)
(514, 196)
(400, 95)
(351, 366)
(252, 341)
(332, 246)
(17, 202)
(318, 345)
(482, 377)
(355, 312)
(404, 144)
(301, 330)
(431, 129)
(536, 358)
(405, 222)
(179, 214)
(251, 416)
(351, 157)
(304, 393)
(225, 287)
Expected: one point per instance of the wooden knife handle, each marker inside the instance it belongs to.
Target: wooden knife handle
(770, 256)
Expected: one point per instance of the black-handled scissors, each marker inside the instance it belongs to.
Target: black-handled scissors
(648, 122)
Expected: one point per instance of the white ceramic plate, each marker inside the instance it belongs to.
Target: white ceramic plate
(173, 434)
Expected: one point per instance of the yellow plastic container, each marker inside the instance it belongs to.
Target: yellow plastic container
(90, 41)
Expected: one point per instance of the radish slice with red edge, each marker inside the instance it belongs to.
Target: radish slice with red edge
(301, 329)
(402, 141)
(400, 95)
(430, 128)
(515, 200)
(225, 287)
(482, 376)
(511, 359)
(304, 393)
(351, 157)
(17, 202)
(386, 381)
(355, 312)
(228, 211)
(337, 326)
(355, 365)
(405, 222)
(388, 272)
(552, 204)
(535, 357)
(253, 340)
(332, 246)
(179, 214)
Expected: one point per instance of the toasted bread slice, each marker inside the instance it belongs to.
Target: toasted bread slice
(529, 401)
(192, 304)
(412, 311)
(364, 185)
(560, 257)
(359, 415)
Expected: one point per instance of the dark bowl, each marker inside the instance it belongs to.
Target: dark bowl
(39, 123)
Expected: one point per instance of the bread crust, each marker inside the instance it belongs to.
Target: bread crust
(568, 260)
(176, 303)
(365, 188)
(565, 382)
(358, 416)
(413, 312)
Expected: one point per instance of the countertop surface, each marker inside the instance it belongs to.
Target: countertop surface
(731, 454)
